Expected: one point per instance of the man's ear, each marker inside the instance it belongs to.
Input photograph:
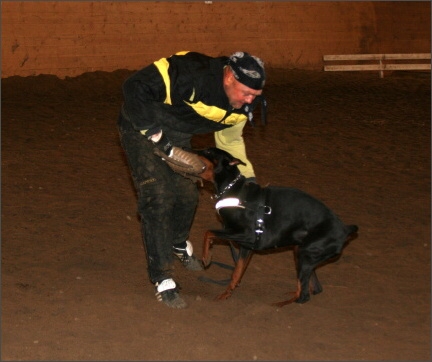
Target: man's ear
(229, 76)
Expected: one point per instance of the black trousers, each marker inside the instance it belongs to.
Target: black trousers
(166, 201)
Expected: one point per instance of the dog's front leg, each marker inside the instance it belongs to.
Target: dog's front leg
(208, 242)
(244, 258)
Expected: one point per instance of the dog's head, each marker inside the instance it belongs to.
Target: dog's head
(221, 166)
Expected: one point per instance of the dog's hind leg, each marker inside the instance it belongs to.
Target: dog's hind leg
(244, 258)
(302, 294)
(293, 299)
(299, 297)
(314, 284)
(307, 281)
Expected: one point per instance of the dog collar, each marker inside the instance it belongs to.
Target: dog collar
(228, 202)
(227, 187)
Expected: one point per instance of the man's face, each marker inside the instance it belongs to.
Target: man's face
(237, 93)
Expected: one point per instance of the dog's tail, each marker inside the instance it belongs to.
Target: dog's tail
(351, 229)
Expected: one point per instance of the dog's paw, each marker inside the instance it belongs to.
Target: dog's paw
(224, 296)
(303, 298)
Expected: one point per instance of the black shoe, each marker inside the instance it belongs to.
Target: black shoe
(187, 258)
(166, 292)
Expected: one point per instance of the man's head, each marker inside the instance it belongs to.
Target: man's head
(244, 78)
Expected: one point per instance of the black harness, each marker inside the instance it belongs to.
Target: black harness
(243, 201)
(261, 210)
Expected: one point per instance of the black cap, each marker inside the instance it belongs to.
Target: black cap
(248, 69)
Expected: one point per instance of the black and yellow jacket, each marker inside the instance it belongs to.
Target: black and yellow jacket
(183, 95)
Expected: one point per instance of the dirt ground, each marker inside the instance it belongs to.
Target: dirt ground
(74, 281)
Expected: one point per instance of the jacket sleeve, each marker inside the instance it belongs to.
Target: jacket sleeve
(143, 92)
(148, 98)
(231, 140)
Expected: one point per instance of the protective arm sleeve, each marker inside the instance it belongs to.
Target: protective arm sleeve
(231, 140)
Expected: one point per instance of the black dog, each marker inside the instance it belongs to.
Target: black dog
(259, 218)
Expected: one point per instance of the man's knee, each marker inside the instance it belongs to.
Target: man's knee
(154, 196)
(188, 192)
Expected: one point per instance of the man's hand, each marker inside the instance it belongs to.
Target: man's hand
(162, 142)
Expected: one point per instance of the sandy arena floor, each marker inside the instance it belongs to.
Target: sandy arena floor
(74, 281)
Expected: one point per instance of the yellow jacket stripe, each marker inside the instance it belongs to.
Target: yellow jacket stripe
(231, 140)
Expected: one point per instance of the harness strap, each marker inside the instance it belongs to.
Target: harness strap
(262, 210)
(235, 257)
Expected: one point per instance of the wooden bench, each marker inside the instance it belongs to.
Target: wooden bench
(378, 62)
